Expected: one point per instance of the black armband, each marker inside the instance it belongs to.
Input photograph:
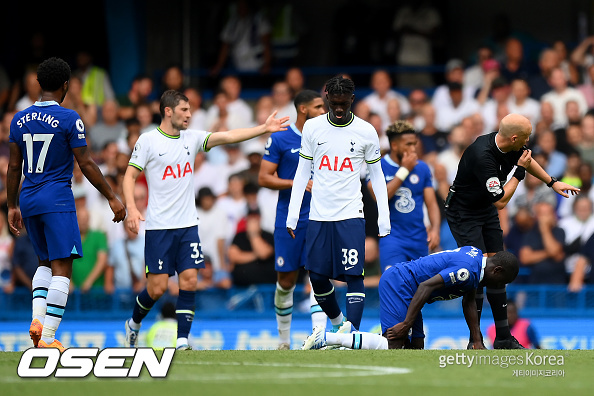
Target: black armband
(520, 172)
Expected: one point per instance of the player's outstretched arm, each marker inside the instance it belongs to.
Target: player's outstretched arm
(378, 183)
(471, 316)
(272, 124)
(134, 215)
(418, 301)
(299, 184)
(91, 171)
(13, 181)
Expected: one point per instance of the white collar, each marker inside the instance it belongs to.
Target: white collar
(390, 161)
(496, 145)
(46, 103)
(295, 129)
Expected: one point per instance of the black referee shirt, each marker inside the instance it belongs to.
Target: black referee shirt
(482, 172)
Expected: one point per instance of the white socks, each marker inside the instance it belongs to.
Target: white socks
(283, 306)
(318, 316)
(40, 285)
(357, 340)
(57, 296)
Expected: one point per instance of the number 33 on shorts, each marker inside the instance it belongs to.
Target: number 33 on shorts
(350, 258)
(197, 252)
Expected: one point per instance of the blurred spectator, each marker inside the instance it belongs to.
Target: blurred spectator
(557, 161)
(245, 38)
(587, 88)
(583, 57)
(109, 128)
(126, 254)
(522, 222)
(417, 98)
(454, 73)
(294, 77)
(514, 64)
(432, 139)
(222, 119)
(251, 254)
(74, 101)
(6, 248)
(458, 140)
(213, 229)
(254, 150)
(539, 83)
(586, 144)
(416, 25)
(24, 260)
(108, 155)
(499, 95)
(173, 78)
(145, 118)
(163, 333)
(89, 270)
(543, 248)
(264, 107)
(208, 175)
(454, 110)
(560, 94)
(198, 120)
(582, 271)
(5, 133)
(474, 75)
(282, 99)
(126, 143)
(4, 89)
(522, 329)
(578, 227)
(96, 85)
(585, 182)
(140, 92)
(520, 102)
(32, 91)
(572, 170)
(234, 205)
(381, 83)
(82, 187)
(568, 67)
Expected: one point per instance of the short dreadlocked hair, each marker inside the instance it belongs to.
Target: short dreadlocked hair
(338, 85)
(398, 129)
(52, 73)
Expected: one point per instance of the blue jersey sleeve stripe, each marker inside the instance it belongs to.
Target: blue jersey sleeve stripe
(134, 165)
(374, 161)
(305, 156)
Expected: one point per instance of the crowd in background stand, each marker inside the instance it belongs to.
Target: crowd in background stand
(552, 236)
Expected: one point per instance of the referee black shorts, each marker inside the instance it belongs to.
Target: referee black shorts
(478, 228)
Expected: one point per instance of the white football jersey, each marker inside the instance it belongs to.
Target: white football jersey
(338, 154)
(168, 163)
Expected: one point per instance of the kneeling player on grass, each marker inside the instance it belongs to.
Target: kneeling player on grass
(441, 276)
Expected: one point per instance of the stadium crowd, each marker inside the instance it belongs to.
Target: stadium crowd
(553, 237)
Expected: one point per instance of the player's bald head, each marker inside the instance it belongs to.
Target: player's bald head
(515, 124)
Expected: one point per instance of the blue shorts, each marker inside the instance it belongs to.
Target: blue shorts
(336, 248)
(395, 294)
(393, 250)
(289, 253)
(54, 235)
(173, 250)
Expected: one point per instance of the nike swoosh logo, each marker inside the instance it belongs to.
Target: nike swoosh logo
(186, 147)
(348, 268)
(198, 261)
(160, 155)
(319, 144)
(295, 150)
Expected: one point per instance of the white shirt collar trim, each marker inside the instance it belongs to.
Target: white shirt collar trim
(46, 103)
(483, 269)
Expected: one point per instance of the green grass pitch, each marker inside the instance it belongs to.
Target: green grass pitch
(334, 372)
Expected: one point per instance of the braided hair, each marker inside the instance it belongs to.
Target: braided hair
(338, 85)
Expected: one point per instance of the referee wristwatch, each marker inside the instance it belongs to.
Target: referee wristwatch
(553, 180)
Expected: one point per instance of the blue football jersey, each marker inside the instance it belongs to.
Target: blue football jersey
(282, 149)
(461, 270)
(406, 206)
(46, 134)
